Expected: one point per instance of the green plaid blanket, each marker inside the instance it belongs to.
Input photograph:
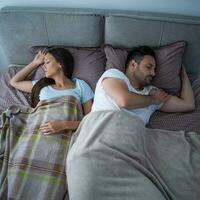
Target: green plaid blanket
(32, 165)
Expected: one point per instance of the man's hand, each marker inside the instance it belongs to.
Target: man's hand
(158, 96)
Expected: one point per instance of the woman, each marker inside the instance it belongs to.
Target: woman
(58, 66)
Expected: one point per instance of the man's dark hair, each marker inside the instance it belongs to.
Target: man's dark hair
(138, 54)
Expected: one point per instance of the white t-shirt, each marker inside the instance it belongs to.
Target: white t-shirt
(104, 102)
(82, 91)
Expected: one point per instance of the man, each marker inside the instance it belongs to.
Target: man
(132, 91)
(109, 159)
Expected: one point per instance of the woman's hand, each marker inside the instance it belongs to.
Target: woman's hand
(39, 58)
(19, 80)
(54, 126)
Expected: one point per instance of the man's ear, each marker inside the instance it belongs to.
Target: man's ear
(133, 64)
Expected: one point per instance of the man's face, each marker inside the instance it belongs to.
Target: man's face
(145, 70)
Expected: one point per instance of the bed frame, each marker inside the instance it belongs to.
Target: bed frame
(23, 27)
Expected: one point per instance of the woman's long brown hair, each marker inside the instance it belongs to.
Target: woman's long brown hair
(62, 56)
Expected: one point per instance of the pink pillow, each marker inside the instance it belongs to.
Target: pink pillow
(169, 61)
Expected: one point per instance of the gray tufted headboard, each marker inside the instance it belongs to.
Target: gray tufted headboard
(23, 27)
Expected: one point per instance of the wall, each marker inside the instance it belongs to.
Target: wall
(185, 7)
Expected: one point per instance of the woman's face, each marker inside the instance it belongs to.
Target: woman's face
(51, 67)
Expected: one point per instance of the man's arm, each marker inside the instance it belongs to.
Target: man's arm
(118, 91)
(185, 102)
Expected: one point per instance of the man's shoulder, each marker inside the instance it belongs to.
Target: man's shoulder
(114, 73)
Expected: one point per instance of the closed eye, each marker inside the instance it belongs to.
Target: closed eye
(47, 62)
(150, 67)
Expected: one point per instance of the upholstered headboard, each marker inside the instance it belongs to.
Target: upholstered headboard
(23, 27)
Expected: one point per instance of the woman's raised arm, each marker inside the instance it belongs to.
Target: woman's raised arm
(19, 80)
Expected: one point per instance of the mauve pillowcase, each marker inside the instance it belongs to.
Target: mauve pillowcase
(89, 62)
(11, 96)
(169, 62)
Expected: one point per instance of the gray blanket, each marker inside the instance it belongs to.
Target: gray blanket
(115, 157)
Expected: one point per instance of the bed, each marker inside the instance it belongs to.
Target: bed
(111, 155)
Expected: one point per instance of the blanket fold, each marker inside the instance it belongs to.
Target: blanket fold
(116, 157)
(32, 165)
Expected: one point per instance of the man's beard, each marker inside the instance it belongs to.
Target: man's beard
(145, 82)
